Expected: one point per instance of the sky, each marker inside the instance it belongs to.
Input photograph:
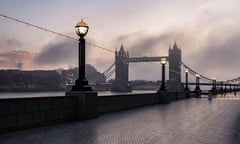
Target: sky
(206, 30)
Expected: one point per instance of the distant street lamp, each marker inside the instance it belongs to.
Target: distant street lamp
(81, 83)
(213, 83)
(221, 89)
(186, 79)
(163, 61)
(197, 82)
(225, 86)
(230, 87)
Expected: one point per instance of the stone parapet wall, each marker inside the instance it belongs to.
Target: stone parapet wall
(21, 113)
(120, 102)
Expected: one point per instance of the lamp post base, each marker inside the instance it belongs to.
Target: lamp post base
(86, 100)
(198, 92)
(187, 91)
(163, 88)
(214, 91)
(81, 85)
(163, 95)
(87, 107)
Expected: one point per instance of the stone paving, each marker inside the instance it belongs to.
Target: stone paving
(191, 121)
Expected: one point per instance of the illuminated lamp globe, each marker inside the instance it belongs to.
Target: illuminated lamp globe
(197, 75)
(163, 60)
(81, 28)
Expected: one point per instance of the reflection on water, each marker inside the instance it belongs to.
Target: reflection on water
(107, 93)
(60, 93)
(30, 94)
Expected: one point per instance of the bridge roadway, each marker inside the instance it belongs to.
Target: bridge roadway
(191, 121)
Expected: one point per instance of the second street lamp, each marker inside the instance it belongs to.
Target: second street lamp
(197, 82)
(213, 83)
(186, 80)
(197, 89)
(163, 61)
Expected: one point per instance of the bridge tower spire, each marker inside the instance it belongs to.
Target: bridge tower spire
(175, 61)
(121, 75)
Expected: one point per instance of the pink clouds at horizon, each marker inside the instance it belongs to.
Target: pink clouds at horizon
(16, 59)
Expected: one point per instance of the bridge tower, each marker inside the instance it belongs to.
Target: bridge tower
(175, 60)
(121, 71)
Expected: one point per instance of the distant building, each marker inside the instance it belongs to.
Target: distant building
(175, 60)
(42, 80)
(92, 75)
(16, 80)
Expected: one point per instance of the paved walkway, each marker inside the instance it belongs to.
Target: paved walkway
(192, 121)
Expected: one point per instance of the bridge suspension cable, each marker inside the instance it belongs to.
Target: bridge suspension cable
(208, 79)
(233, 80)
(194, 73)
(53, 32)
(108, 69)
(108, 73)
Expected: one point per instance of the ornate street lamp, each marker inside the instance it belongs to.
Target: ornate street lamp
(197, 82)
(225, 86)
(86, 98)
(186, 79)
(163, 61)
(197, 89)
(230, 87)
(221, 89)
(213, 83)
(81, 83)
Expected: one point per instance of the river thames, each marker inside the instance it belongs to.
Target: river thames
(61, 93)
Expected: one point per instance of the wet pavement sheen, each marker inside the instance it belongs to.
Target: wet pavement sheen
(191, 121)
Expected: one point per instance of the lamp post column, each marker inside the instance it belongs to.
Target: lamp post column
(221, 89)
(230, 88)
(197, 89)
(197, 82)
(186, 79)
(214, 85)
(162, 90)
(163, 87)
(81, 60)
(225, 87)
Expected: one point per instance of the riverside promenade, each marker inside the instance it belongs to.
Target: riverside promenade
(189, 121)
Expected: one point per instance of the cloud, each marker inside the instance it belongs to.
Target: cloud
(209, 45)
(7, 44)
(63, 53)
(221, 59)
(15, 59)
(59, 52)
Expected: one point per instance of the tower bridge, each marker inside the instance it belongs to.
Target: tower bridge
(122, 60)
